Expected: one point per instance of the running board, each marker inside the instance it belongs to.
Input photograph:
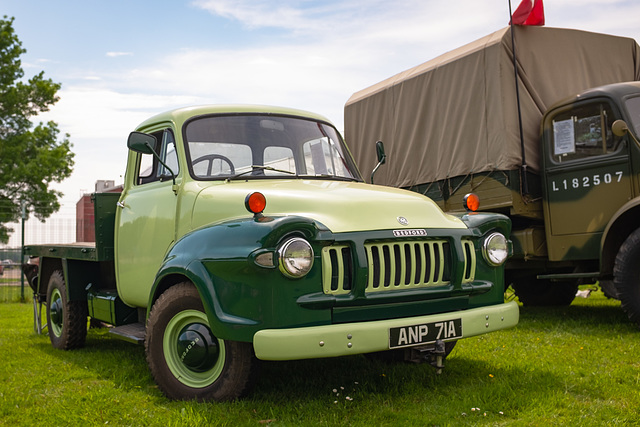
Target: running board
(563, 276)
(133, 332)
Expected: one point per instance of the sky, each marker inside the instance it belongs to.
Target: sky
(121, 61)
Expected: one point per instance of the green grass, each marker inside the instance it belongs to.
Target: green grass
(12, 293)
(574, 366)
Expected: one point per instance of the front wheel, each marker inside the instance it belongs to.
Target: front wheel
(186, 359)
(66, 320)
(626, 276)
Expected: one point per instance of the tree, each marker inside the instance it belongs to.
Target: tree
(31, 158)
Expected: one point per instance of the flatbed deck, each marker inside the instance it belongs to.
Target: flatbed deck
(85, 251)
(101, 250)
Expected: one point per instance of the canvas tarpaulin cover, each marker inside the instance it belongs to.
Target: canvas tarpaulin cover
(457, 114)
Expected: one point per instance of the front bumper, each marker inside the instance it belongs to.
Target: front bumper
(367, 337)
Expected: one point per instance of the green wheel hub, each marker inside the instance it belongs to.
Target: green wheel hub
(193, 354)
(56, 313)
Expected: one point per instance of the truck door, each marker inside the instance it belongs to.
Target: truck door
(146, 221)
(587, 177)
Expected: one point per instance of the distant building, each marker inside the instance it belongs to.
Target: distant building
(85, 225)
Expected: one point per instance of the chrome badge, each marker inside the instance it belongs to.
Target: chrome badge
(402, 220)
(410, 233)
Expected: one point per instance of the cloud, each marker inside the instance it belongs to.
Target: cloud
(117, 54)
(90, 111)
(291, 14)
(345, 18)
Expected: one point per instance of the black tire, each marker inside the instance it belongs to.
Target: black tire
(626, 276)
(66, 320)
(186, 360)
(541, 292)
(608, 289)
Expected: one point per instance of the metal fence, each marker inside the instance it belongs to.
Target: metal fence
(56, 230)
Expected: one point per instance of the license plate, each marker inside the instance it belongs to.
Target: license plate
(425, 333)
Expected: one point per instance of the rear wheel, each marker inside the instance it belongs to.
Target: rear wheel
(186, 359)
(626, 274)
(66, 320)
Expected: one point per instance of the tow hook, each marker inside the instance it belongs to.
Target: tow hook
(434, 354)
(436, 358)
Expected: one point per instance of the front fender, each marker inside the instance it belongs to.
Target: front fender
(482, 222)
(219, 260)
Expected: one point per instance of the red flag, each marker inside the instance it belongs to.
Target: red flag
(530, 12)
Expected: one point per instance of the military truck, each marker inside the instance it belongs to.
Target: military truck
(568, 176)
(246, 233)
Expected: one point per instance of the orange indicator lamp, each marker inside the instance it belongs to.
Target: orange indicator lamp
(255, 202)
(471, 202)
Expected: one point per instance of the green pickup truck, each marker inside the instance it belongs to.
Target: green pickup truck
(246, 233)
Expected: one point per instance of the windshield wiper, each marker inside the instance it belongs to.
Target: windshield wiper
(329, 176)
(256, 167)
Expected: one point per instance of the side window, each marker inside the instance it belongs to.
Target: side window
(583, 131)
(150, 169)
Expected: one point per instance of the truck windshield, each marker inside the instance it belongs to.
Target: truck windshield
(259, 146)
(633, 107)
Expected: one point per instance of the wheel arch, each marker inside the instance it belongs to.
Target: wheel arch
(162, 284)
(47, 266)
(222, 324)
(623, 223)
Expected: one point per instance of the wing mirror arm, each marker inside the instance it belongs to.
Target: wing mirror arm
(174, 187)
(382, 158)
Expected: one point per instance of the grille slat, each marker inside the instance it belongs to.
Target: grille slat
(395, 265)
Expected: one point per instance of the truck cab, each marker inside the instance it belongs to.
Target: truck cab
(246, 233)
(591, 186)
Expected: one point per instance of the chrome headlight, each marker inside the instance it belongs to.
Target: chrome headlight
(495, 249)
(295, 257)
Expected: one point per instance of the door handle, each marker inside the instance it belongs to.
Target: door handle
(121, 205)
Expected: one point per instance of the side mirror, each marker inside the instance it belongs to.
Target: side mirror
(142, 143)
(382, 157)
(619, 128)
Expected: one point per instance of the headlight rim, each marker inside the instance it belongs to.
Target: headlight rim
(282, 257)
(486, 249)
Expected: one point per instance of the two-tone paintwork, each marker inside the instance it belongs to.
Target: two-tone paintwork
(212, 241)
(199, 231)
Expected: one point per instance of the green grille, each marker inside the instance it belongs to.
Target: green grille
(395, 265)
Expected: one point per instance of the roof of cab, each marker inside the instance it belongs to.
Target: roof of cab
(181, 115)
(613, 90)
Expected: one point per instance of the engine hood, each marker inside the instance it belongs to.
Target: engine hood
(339, 206)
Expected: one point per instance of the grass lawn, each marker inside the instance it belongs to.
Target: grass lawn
(574, 366)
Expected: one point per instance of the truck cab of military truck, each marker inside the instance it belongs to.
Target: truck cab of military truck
(591, 186)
